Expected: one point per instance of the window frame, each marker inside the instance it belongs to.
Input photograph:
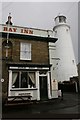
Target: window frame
(22, 57)
(62, 19)
(20, 80)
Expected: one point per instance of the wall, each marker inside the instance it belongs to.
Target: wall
(39, 51)
(39, 56)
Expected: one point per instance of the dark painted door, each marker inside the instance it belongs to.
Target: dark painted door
(43, 88)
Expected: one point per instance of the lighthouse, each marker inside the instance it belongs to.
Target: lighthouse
(61, 53)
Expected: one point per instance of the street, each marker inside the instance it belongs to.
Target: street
(69, 107)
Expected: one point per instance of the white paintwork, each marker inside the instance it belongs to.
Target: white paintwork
(18, 29)
(54, 84)
(10, 82)
(35, 93)
(48, 84)
(16, 91)
(54, 93)
(37, 85)
(29, 68)
(62, 58)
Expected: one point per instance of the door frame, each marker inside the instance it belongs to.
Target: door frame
(48, 84)
(43, 90)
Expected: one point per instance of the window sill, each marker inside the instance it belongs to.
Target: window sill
(22, 89)
(25, 59)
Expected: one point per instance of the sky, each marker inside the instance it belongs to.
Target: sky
(41, 15)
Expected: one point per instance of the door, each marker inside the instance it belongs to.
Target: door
(43, 88)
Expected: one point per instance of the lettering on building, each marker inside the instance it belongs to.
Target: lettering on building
(17, 30)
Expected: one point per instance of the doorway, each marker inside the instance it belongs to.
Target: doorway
(43, 87)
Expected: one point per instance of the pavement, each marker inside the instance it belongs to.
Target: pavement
(69, 107)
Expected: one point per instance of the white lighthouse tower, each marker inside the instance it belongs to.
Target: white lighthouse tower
(61, 53)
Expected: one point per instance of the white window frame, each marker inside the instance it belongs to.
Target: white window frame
(19, 73)
(24, 53)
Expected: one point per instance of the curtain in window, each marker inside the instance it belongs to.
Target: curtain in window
(14, 77)
(32, 77)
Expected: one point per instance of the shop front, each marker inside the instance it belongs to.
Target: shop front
(31, 80)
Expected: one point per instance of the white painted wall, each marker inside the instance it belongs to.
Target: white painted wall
(65, 65)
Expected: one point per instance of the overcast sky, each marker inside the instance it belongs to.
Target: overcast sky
(42, 14)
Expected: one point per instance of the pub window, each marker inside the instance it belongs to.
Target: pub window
(23, 80)
(25, 51)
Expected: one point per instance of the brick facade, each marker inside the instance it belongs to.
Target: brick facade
(39, 51)
(39, 55)
(26, 67)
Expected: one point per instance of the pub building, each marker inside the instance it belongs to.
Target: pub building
(26, 68)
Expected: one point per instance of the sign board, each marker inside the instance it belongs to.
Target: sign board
(17, 30)
(25, 31)
(24, 94)
(30, 68)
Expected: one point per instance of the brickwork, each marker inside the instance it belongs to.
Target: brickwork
(4, 76)
(39, 55)
(39, 51)
(0, 58)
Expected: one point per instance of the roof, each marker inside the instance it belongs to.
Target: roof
(60, 15)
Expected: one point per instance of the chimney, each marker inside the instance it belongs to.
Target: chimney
(9, 20)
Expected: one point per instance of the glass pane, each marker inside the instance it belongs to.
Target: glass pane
(22, 46)
(32, 80)
(27, 47)
(25, 51)
(24, 80)
(23, 55)
(15, 80)
(28, 55)
(62, 19)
